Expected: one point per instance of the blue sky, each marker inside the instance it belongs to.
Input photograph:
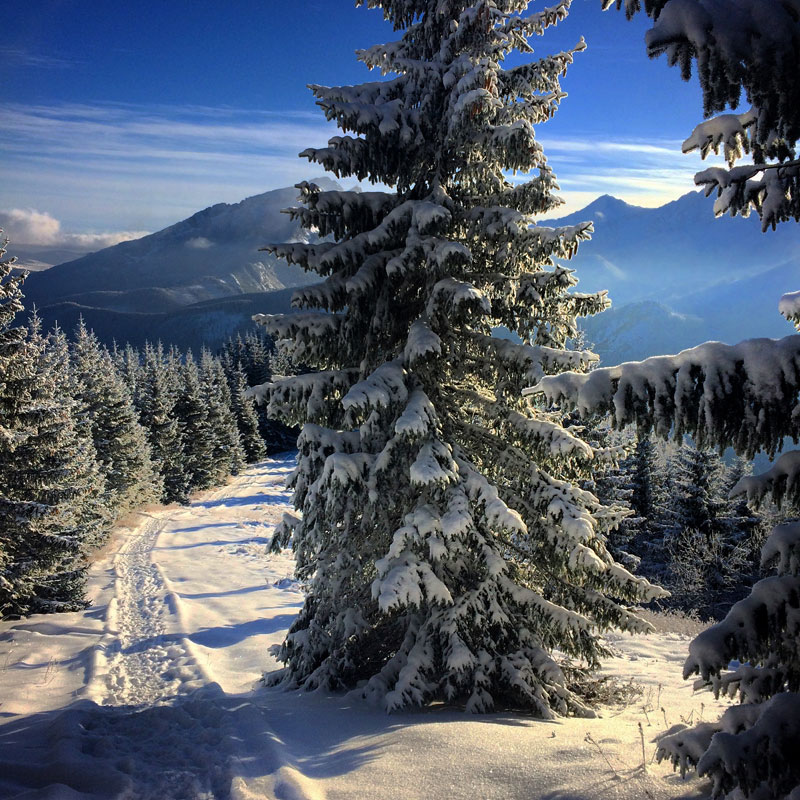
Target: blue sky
(127, 117)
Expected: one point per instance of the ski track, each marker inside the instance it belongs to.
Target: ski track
(162, 721)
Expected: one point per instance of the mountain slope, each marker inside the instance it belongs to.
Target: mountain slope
(206, 324)
(213, 253)
(690, 277)
(667, 253)
(677, 276)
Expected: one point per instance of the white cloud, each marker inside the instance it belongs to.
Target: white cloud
(616, 271)
(97, 241)
(25, 58)
(29, 226)
(199, 243)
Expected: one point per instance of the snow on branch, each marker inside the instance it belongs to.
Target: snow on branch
(450, 296)
(757, 750)
(728, 130)
(422, 342)
(312, 397)
(780, 484)
(775, 194)
(783, 546)
(789, 306)
(742, 47)
(764, 622)
(338, 212)
(306, 338)
(382, 388)
(743, 396)
(533, 361)
(289, 326)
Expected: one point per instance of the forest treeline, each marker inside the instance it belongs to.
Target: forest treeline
(683, 530)
(88, 434)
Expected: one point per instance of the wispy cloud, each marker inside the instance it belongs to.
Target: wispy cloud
(645, 173)
(126, 167)
(21, 57)
(146, 167)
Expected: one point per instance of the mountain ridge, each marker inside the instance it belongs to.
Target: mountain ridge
(676, 275)
(213, 253)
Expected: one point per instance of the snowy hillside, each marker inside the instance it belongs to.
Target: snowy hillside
(214, 253)
(154, 691)
(670, 252)
(677, 276)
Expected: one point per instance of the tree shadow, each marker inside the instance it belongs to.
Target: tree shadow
(191, 746)
(347, 731)
(261, 498)
(260, 540)
(226, 635)
(230, 593)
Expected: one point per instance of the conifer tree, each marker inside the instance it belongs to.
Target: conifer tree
(128, 362)
(157, 400)
(696, 500)
(192, 412)
(120, 441)
(447, 546)
(226, 455)
(647, 481)
(743, 396)
(51, 489)
(10, 342)
(244, 411)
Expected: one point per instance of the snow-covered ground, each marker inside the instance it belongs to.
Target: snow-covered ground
(154, 691)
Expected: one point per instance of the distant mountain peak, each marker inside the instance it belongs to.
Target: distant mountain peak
(213, 253)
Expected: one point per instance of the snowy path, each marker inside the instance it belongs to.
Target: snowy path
(145, 667)
(153, 693)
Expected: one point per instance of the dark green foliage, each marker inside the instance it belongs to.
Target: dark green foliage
(255, 357)
(51, 508)
(246, 419)
(86, 435)
(226, 457)
(119, 440)
(697, 480)
(253, 354)
(157, 398)
(683, 530)
(10, 340)
(191, 410)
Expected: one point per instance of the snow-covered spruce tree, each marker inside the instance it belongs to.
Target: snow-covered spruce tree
(227, 456)
(128, 363)
(156, 398)
(51, 511)
(745, 396)
(120, 441)
(751, 46)
(252, 354)
(10, 342)
(246, 417)
(192, 413)
(649, 479)
(447, 546)
(696, 490)
(613, 486)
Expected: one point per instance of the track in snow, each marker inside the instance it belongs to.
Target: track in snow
(146, 720)
(161, 720)
(148, 665)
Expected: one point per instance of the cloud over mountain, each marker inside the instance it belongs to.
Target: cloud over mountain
(32, 227)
